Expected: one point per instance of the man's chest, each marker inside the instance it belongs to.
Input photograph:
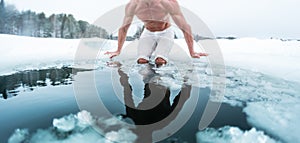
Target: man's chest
(154, 10)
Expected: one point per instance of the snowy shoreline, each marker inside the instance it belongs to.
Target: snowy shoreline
(272, 57)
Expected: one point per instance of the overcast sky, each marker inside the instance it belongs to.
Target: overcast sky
(241, 18)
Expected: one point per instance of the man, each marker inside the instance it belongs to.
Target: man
(157, 36)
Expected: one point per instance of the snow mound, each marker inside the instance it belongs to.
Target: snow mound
(229, 134)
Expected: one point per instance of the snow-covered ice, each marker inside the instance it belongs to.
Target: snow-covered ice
(270, 56)
(20, 53)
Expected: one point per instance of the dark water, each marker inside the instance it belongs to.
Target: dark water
(32, 99)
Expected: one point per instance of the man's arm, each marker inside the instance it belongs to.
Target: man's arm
(173, 9)
(129, 14)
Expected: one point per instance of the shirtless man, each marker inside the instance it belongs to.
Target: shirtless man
(157, 36)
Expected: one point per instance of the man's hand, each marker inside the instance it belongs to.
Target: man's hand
(198, 55)
(112, 54)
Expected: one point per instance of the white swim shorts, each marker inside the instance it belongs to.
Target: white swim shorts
(156, 44)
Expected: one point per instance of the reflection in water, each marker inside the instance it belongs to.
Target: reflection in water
(164, 111)
(155, 111)
(11, 85)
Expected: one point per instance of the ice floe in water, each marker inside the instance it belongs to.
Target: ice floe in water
(229, 134)
(270, 103)
(245, 86)
(77, 129)
(278, 119)
(19, 136)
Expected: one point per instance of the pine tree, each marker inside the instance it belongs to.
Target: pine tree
(83, 26)
(62, 28)
(29, 23)
(10, 23)
(41, 23)
(2, 16)
(52, 21)
(71, 27)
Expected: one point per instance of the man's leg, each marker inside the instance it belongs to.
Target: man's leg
(164, 46)
(145, 47)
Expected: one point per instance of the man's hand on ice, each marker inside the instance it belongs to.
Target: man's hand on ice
(198, 55)
(112, 54)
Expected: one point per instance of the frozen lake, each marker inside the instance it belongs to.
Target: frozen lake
(32, 99)
(37, 99)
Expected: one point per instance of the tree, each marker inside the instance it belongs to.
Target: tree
(10, 25)
(41, 25)
(64, 19)
(2, 16)
(49, 26)
(58, 25)
(29, 23)
(72, 27)
(83, 26)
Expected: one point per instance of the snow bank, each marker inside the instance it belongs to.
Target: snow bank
(75, 129)
(273, 57)
(20, 53)
(229, 134)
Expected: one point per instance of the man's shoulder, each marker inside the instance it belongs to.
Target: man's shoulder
(133, 1)
(131, 5)
(169, 1)
(170, 5)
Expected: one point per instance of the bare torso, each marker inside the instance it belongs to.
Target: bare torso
(153, 14)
